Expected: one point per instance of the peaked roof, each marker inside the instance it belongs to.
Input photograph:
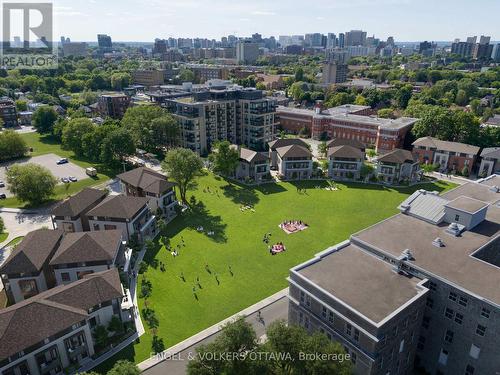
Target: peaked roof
(274, 145)
(88, 247)
(32, 252)
(491, 152)
(119, 206)
(346, 142)
(446, 145)
(146, 179)
(78, 203)
(294, 151)
(252, 156)
(33, 320)
(346, 151)
(397, 156)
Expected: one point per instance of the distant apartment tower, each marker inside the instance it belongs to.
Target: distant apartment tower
(74, 49)
(149, 77)
(495, 52)
(334, 72)
(8, 113)
(104, 41)
(160, 47)
(313, 40)
(113, 105)
(463, 49)
(247, 52)
(331, 41)
(341, 41)
(355, 38)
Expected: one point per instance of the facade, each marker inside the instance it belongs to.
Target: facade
(247, 52)
(294, 162)
(204, 73)
(253, 166)
(345, 162)
(8, 113)
(113, 105)
(398, 166)
(274, 145)
(417, 290)
(144, 182)
(449, 156)
(240, 116)
(76, 49)
(490, 162)
(334, 72)
(349, 122)
(149, 77)
(131, 215)
(27, 272)
(52, 333)
(70, 215)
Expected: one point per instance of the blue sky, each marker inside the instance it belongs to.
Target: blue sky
(406, 20)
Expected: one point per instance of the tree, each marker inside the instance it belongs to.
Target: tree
(385, 113)
(12, 145)
(116, 145)
(165, 131)
(299, 74)
(429, 168)
(44, 118)
(21, 105)
(139, 122)
(2, 225)
(323, 148)
(120, 80)
(182, 165)
(226, 158)
(100, 336)
(74, 132)
(115, 325)
(186, 75)
(123, 367)
(403, 96)
(360, 100)
(30, 182)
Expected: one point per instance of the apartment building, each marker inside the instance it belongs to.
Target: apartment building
(70, 215)
(345, 162)
(449, 156)
(77, 49)
(348, 122)
(334, 72)
(8, 112)
(52, 333)
(247, 52)
(145, 182)
(294, 162)
(253, 166)
(417, 290)
(149, 77)
(131, 215)
(282, 142)
(490, 161)
(240, 116)
(397, 166)
(113, 105)
(204, 73)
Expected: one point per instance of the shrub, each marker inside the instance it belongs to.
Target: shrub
(146, 288)
(157, 345)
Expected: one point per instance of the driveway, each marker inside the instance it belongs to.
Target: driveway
(49, 161)
(20, 222)
(178, 364)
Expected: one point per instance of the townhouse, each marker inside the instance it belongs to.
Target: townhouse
(282, 142)
(70, 215)
(52, 333)
(345, 162)
(131, 215)
(253, 166)
(294, 162)
(397, 166)
(145, 182)
(490, 161)
(448, 156)
(415, 291)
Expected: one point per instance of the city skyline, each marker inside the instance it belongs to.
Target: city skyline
(132, 21)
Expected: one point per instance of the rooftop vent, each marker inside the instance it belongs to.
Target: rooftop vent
(495, 189)
(404, 208)
(438, 242)
(408, 255)
(455, 229)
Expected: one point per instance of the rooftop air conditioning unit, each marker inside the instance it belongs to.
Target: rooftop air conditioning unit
(455, 229)
(438, 242)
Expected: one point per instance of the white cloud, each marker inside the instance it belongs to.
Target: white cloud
(263, 13)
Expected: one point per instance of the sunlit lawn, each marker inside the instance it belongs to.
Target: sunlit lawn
(237, 242)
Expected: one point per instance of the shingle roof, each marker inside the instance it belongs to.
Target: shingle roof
(88, 247)
(78, 203)
(32, 252)
(446, 145)
(491, 152)
(346, 142)
(274, 145)
(119, 206)
(146, 179)
(37, 318)
(397, 156)
(252, 156)
(294, 151)
(346, 152)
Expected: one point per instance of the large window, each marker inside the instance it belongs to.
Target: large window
(28, 288)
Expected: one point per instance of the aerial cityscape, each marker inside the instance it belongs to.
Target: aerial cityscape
(266, 188)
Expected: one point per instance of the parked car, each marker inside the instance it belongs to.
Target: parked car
(62, 161)
(92, 172)
(73, 178)
(65, 180)
(3, 196)
(2, 184)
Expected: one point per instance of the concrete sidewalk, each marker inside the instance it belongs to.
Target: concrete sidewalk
(195, 340)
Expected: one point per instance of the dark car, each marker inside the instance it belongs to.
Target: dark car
(3, 196)
(62, 161)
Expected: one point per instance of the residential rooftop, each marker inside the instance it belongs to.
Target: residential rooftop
(119, 206)
(346, 151)
(294, 151)
(147, 179)
(438, 144)
(78, 203)
(397, 156)
(362, 290)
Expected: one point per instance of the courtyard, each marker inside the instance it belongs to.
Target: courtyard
(223, 264)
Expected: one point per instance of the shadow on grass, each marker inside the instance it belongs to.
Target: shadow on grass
(240, 194)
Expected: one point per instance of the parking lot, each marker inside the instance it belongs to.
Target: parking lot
(49, 161)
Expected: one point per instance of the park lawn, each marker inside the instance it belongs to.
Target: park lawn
(3, 236)
(237, 242)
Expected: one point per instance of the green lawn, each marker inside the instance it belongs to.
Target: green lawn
(3, 236)
(41, 145)
(237, 242)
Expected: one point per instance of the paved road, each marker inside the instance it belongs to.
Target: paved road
(177, 366)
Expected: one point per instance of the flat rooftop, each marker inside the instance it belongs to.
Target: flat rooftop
(362, 281)
(479, 191)
(467, 204)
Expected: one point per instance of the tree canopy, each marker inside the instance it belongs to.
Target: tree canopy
(31, 182)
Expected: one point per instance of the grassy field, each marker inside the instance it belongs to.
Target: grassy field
(46, 145)
(3, 236)
(237, 246)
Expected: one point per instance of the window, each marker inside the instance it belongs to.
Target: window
(81, 274)
(443, 357)
(109, 227)
(432, 286)
(485, 312)
(65, 276)
(452, 296)
(324, 312)
(425, 322)
(459, 318)
(308, 301)
(462, 301)
(480, 330)
(354, 357)
(469, 370)
(330, 316)
(449, 313)
(402, 346)
(430, 303)
(96, 227)
(28, 288)
(302, 297)
(457, 217)
(421, 343)
(474, 351)
(301, 317)
(356, 334)
(348, 329)
(306, 323)
(448, 337)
